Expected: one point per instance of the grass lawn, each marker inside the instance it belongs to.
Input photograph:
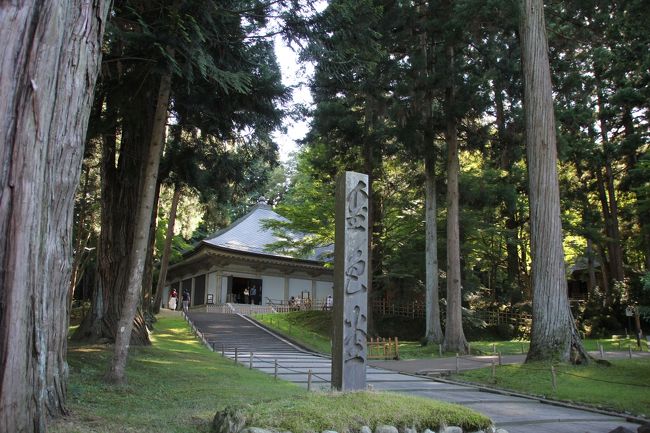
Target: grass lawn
(624, 386)
(176, 386)
(350, 411)
(309, 328)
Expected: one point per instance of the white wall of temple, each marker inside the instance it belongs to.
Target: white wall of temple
(299, 285)
(224, 290)
(212, 283)
(164, 300)
(272, 288)
(324, 289)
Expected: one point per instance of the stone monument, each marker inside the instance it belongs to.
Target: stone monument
(350, 322)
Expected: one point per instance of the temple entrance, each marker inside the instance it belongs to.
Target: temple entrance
(246, 291)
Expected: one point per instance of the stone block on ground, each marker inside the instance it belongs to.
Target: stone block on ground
(386, 429)
(255, 430)
(229, 420)
(621, 429)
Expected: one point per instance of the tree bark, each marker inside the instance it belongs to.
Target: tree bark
(454, 336)
(116, 372)
(147, 279)
(49, 60)
(553, 333)
(608, 261)
(122, 168)
(608, 196)
(510, 205)
(169, 237)
(433, 328)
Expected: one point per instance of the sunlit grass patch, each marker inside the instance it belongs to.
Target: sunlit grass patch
(624, 386)
(349, 411)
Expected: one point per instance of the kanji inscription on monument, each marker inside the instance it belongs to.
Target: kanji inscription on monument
(350, 282)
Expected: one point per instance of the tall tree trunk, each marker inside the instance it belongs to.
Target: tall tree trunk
(147, 279)
(553, 332)
(510, 205)
(424, 99)
(433, 327)
(169, 237)
(608, 196)
(454, 336)
(122, 168)
(116, 373)
(50, 57)
(609, 262)
(81, 238)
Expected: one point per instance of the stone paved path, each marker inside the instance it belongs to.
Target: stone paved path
(227, 332)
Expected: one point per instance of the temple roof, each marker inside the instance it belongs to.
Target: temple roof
(247, 234)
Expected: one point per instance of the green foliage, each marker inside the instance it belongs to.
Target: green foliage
(308, 206)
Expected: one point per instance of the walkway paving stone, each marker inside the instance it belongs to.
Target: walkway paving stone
(516, 414)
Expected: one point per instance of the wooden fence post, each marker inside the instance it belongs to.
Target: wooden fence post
(457, 364)
(396, 348)
(553, 379)
(309, 380)
(236, 356)
(250, 361)
(275, 370)
(602, 352)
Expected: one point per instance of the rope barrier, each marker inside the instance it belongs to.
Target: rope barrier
(278, 366)
(480, 361)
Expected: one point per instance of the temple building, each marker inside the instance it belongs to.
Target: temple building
(235, 266)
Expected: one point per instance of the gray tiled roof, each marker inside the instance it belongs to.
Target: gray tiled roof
(247, 233)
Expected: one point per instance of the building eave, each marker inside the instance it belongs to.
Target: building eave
(206, 256)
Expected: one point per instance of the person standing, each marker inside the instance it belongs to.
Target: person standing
(186, 300)
(253, 295)
(173, 300)
(329, 303)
